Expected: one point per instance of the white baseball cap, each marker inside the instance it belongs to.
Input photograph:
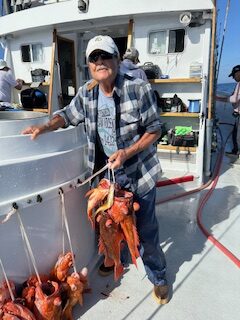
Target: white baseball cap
(3, 64)
(104, 43)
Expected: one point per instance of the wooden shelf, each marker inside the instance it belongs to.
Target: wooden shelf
(37, 110)
(180, 114)
(174, 148)
(176, 80)
(41, 84)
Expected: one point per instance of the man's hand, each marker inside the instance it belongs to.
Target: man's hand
(21, 81)
(117, 159)
(19, 85)
(54, 124)
(35, 131)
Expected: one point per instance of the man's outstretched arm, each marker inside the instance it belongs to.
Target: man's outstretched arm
(55, 123)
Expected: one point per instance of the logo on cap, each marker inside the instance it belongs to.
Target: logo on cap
(98, 38)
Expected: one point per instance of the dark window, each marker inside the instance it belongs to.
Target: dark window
(26, 55)
(32, 52)
(176, 40)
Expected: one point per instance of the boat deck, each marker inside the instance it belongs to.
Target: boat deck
(204, 282)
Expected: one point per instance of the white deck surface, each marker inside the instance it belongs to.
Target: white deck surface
(204, 283)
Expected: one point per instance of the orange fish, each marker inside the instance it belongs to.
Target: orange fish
(8, 316)
(18, 310)
(110, 198)
(130, 232)
(32, 281)
(121, 205)
(110, 240)
(4, 292)
(28, 294)
(96, 196)
(122, 212)
(62, 266)
(48, 304)
(77, 283)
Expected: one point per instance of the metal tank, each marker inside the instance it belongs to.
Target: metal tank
(31, 175)
(13, 122)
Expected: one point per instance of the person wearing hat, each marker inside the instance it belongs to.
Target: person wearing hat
(7, 82)
(234, 99)
(122, 125)
(129, 64)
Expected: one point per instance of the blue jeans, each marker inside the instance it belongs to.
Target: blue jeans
(147, 227)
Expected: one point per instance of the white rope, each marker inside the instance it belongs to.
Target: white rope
(29, 247)
(67, 228)
(113, 176)
(8, 284)
(63, 235)
(8, 215)
(94, 175)
(26, 251)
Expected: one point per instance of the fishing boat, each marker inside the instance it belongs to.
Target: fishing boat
(44, 43)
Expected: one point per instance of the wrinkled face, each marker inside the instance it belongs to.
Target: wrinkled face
(103, 66)
(236, 76)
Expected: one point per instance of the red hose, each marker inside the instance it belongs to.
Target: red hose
(168, 182)
(203, 201)
(209, 236)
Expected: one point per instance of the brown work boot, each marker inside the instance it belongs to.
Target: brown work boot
(105, 271)
(160, 294)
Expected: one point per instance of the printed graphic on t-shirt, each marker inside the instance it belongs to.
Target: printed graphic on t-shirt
(107, 124)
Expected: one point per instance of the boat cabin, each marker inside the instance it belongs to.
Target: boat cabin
(45, 45)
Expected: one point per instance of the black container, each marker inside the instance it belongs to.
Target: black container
(33, 98)
(186, 140)
(152, 70)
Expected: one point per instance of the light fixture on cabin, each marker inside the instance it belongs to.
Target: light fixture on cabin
(83, 5)
(185, 18)
(192, 19)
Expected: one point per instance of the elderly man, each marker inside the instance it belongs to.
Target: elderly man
(129, 64)
(122, 126)
(234, 99)
(7, 82)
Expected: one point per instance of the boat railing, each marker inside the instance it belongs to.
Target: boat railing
(12, 6)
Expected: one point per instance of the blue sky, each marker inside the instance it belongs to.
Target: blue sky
(231, 48)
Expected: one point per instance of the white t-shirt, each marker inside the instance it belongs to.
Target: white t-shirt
(6, 83)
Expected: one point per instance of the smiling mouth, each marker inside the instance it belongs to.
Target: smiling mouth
(102, 68)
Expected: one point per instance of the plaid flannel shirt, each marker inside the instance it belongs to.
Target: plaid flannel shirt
(136, 113)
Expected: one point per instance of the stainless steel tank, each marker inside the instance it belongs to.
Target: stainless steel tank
(31, 175)
(13, 122)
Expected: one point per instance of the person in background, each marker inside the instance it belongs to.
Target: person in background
(122, 125)
(7, 82)
(129, 64)
(235, 100)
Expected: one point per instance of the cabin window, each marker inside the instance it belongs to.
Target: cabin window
(32, 52)
(166, 41)
(176, 40)
(157, 42)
